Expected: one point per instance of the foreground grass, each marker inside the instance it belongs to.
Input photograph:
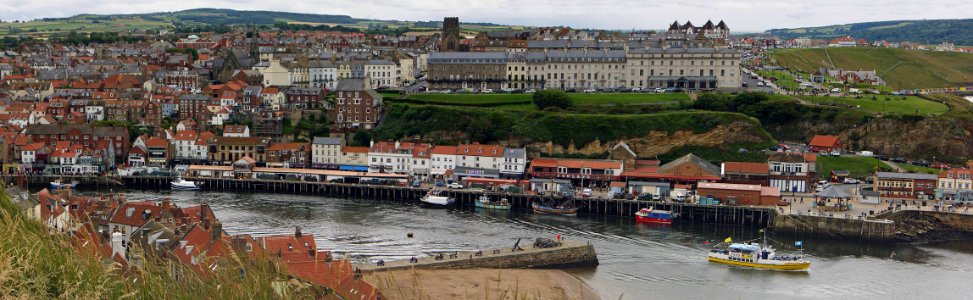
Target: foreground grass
(859, 167)
(36, 264)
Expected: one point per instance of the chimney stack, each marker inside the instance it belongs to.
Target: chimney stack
(297, 231)
(217, 230)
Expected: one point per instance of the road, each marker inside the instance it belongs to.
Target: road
(894, 166)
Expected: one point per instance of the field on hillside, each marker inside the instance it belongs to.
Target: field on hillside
(900, 68)
(860, 166)
(81, 24)
(911, 105)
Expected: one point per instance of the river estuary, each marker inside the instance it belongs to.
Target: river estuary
(637, 261)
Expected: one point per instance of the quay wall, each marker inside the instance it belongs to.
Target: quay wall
(830, 227)
(569, 254)
(944, 220)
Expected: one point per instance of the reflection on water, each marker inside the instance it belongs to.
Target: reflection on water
(636, 259)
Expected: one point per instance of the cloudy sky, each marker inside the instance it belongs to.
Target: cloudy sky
(740, 15)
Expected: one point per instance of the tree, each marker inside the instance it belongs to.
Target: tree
(551, 98)
(712, 101)
(362, 138)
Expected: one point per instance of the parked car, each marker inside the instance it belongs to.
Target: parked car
(636, 89)
(455, 185)
(898, 160)
(416, 183)
(835, 153)
(836, 90)
(660, 90)
(530, 91)
(589, 90)
(851, 181)
(487, 91)
(586, 193)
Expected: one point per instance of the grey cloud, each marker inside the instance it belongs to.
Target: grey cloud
(741, 15)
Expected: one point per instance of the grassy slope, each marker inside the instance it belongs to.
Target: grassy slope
(491, 125)
(523, 101)
(894, 105)
(900, 68)
(918, 169)
(860, 167)
(35, 264)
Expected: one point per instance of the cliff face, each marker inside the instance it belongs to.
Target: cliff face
(659, 142)
(914, 139)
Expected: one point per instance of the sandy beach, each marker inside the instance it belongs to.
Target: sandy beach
(481, 284)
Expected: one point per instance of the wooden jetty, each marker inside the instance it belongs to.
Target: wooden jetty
(740, 215)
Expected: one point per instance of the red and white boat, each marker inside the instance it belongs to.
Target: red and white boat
(649, 215)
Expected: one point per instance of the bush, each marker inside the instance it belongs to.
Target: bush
(547, 98)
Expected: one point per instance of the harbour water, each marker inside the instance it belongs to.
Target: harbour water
(637, 261)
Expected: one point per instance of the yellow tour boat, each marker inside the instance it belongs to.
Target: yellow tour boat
(755, 255)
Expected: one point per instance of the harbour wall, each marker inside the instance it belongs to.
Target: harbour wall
(831, 227)
(569, 254)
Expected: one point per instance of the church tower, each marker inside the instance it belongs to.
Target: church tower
(450, 35)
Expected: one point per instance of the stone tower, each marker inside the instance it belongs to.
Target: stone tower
(450, 35)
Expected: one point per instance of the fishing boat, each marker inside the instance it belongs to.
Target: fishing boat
(185, 185)
(485, 202)
(759, 255)
(564, 209)
(58, 184)
(435, 199)
(650, 215)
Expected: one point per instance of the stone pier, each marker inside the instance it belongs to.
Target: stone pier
(569, 254)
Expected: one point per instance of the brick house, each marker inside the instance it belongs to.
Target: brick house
(905, 185)
(356, 105)
(82, 135)
(291, 155)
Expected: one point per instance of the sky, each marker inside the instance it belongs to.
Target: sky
(740, 15)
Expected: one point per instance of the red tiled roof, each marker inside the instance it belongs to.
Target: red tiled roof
(186, 135)
(355, 149)
(480, 150)
(130, 213)
(444, 150)
(824, 141)
(155, 142)
(746, 167)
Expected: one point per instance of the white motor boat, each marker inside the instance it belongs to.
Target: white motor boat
(434, 198)
(185, 185)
